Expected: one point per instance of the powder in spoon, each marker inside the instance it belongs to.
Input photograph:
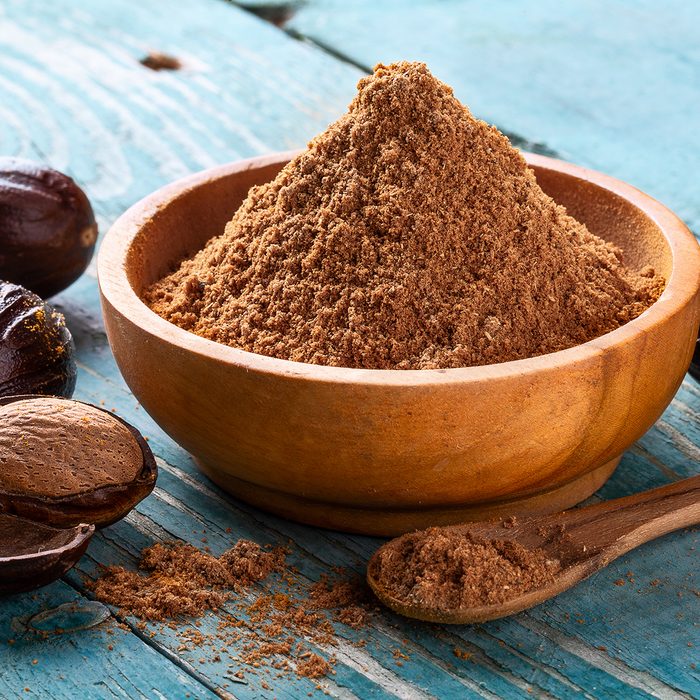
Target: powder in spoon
(409, 235)
(447, 570)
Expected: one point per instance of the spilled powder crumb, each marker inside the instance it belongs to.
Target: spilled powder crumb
(346, 597)
(314, 666)
(409, 235)
(157, 60)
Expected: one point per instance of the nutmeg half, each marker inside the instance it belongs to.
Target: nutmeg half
(64, 462)
(36, 348)
(47, 227)
(33, 554)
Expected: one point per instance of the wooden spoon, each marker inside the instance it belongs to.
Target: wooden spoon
(583, 540)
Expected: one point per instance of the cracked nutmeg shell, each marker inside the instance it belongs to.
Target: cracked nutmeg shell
(36, 348)
(63, 462)
(47, 227)
(33, 554)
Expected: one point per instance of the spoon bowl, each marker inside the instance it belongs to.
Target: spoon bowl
(583, 541)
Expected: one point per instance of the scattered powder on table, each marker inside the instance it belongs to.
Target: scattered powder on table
(181, 581)
(409, 235)
(447, 570)
(344, 596)
(314, 666)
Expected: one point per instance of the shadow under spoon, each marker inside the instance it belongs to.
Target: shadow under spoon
(583, 541)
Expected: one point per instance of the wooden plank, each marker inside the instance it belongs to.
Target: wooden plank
(96, 659)
(612, 86)
(74, 91)
(122, 131)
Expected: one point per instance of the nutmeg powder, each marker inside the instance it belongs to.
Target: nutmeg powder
(409, 235)
(183, 580)
(446, 570)
(259, 631)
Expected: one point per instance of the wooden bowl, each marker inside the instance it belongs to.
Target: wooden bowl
(386, 451)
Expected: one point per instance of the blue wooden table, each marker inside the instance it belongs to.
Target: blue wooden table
(612, 86)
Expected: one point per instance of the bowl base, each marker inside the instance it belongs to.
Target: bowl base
(396, 521)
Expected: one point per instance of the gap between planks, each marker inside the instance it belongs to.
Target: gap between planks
(641, 680)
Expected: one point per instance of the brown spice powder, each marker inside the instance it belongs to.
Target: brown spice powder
(447, 570)
(409, 235)
(346, 597)
(183, 581)
(314, 666)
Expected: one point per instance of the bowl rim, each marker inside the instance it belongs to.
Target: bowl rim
(115, 289)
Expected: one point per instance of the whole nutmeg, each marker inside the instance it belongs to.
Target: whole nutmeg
(47, 227)
(36, 348)
(65, 462)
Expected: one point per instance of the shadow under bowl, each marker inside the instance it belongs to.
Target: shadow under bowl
(387, 451)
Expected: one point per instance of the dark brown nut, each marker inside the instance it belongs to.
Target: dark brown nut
(33, 554)
(36, 348)
(47, 227)
(64, 462)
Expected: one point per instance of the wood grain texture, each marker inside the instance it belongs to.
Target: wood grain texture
(39, 662)
(72, 94)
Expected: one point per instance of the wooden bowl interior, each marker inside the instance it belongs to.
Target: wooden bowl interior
(612, 218)
(195, 215)
(178, 230)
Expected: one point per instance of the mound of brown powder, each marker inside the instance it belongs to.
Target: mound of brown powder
(184, 581)
(409, 235)
(446, 570)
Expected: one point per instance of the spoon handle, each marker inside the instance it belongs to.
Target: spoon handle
(619, 525)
